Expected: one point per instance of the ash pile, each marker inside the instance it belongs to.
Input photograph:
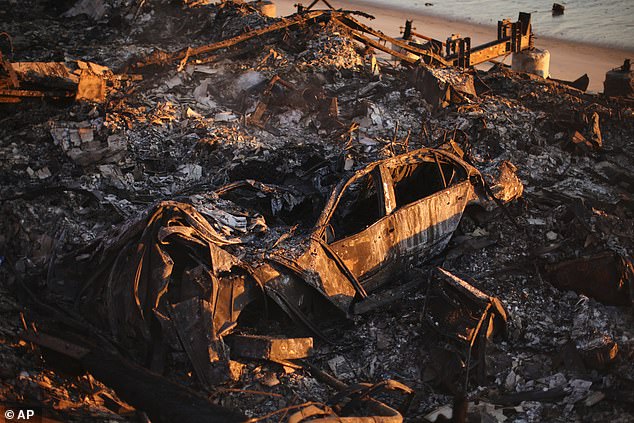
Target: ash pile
(210, 214)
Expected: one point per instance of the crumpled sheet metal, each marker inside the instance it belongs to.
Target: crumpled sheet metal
(313, 413)
(461, 311)
(468, 318)
(356, 405)
(607, 277)
(422, 226)
(169, 268)
(169, 278)
(507, 186)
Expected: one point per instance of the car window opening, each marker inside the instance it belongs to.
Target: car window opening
(416, 181)
(358, 208)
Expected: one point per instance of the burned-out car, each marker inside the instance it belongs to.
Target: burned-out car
(180, 276)
(386, 216)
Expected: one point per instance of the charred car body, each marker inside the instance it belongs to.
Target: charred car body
(184, 272)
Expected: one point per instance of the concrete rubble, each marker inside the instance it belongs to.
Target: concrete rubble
(209, 213)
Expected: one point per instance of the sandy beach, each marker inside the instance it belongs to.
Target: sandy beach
(568, 60)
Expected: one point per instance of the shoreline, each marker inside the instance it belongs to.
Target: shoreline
(405, 11)
(568, 59)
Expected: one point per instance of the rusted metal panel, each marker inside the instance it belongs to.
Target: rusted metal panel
(164, 58)
(323, 274)
(468, 318)
(37, 72)
(14, 96)
(232, 293)
(193, 322)
(367, 250)
(512, 38)
(270, 348)
(357, 30)
(423, 228)
(79, 79)
(461, 311)
(607, 277)
(487, 52)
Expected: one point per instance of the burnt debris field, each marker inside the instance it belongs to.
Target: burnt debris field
(214, 215)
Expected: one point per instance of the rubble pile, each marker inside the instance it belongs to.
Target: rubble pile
(202, 239)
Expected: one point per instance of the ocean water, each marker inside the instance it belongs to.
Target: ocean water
(603, 22)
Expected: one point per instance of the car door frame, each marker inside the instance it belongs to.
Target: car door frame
(376, 239)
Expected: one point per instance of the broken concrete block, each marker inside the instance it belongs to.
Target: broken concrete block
(59, 135)
(75, 138)
(174, 82)
(225, 117)
(269, 348)
(593, 398)
(43, 173)
(536, 62)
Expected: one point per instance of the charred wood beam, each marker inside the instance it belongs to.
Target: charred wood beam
(11, 96)
(427, 38)
(323, 376)
(357, 28)
(270, 348)
(362, 38)
(296, 19)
